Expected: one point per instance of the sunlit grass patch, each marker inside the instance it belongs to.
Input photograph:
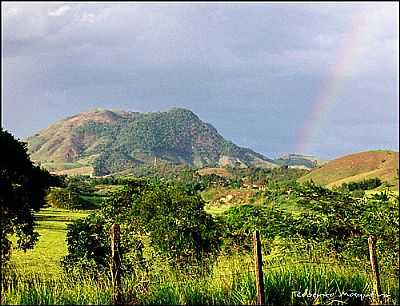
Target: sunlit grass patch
(45, 257)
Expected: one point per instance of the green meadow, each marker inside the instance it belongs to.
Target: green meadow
(44, 258)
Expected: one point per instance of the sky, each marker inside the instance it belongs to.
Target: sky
(279, 78)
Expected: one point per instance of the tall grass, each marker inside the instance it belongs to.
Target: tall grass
(230, 281)
(285, 285)
(20, 290)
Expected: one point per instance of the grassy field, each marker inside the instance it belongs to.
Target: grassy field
(220, 199)
(356, 167)
(85, 170)
(219, 171)
(231, 280)
(45, 257)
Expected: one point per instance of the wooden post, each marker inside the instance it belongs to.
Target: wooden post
(374, 265)
(116, 265)
(258, 266)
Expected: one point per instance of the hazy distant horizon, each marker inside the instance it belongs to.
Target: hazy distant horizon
(279, 78)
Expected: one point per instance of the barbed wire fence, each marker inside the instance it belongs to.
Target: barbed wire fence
(250, 268)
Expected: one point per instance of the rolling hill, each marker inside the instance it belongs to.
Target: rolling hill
(299, 161)
(104, 141)
(356, 167)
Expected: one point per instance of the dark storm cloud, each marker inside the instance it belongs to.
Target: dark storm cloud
(253, 70)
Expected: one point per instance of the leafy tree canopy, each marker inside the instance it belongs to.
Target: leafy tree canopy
(158, 216)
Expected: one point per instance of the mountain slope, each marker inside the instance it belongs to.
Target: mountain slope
(299, 161)
(111, 141)
(356, 167)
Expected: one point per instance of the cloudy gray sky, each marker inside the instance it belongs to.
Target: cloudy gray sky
(276, 77)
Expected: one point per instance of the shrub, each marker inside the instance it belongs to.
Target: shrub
(88, 246)
(242, 221)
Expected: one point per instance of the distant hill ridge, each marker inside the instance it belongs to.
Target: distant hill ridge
(113, 141)
(296, 160)
(380, 164)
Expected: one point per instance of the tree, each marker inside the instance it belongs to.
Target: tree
(161, 217)
(22, 190)
(242, 221)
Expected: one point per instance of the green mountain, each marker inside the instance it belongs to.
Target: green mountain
(104, 141)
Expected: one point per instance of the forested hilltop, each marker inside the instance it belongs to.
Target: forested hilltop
(104, 141)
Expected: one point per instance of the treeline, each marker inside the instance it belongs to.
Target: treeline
(366, 184)
(64, 198)
(255, 175)
(72, 193)
(189, 176)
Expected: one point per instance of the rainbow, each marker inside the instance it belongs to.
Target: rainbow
(331, 87)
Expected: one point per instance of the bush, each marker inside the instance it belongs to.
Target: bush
(243, 220)
(88, 247)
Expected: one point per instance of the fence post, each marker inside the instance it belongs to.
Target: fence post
(258, 266)
(374, 265)
(116, 265)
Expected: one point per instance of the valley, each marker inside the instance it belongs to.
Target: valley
(188, 202)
